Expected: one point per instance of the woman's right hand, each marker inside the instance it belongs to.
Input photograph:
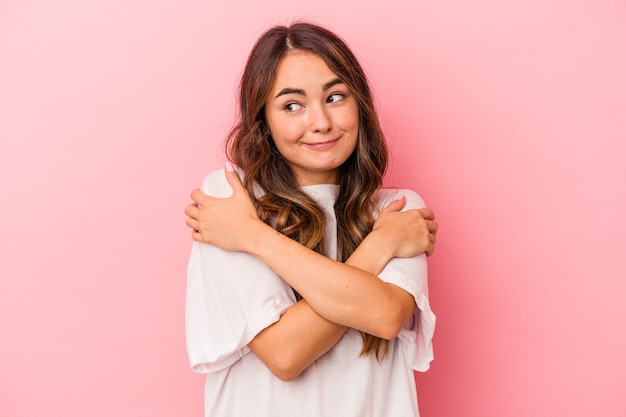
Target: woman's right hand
(409, 233)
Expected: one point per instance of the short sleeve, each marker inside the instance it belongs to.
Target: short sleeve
(411, 274)
(231, 297)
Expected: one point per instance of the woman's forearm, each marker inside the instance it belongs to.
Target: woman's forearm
(301, 336)
(294, 342)
(342, 293)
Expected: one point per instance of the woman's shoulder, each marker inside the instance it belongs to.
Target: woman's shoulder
(215, 184)
(384, 196)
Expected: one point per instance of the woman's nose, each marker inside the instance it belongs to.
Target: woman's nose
(319, 119)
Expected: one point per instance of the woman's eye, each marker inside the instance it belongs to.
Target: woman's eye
(291, 107)
(335, 97)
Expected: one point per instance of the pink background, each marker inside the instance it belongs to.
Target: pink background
(509, 117)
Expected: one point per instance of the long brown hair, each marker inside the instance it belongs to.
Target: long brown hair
(250, 146)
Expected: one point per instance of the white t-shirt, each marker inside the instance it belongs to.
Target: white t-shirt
(232, 296)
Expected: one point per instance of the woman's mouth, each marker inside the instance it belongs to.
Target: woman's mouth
(322, 145)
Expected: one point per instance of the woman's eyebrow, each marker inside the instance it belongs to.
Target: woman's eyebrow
(332, 83)
(290, 91)
(301, 92)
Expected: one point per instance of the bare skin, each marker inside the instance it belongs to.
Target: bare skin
(336, 295)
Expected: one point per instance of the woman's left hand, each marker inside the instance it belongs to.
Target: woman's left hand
(227, 223)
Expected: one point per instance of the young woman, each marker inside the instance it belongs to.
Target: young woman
(307, 291)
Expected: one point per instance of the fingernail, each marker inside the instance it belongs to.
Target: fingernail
(229, 167)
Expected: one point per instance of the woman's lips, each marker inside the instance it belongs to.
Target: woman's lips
(322, 145)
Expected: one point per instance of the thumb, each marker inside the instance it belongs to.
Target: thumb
(233, 178)
(396, 205)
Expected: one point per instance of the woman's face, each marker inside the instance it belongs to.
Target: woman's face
(313, 118)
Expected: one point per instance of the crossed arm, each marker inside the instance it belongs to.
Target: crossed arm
(336, 295)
